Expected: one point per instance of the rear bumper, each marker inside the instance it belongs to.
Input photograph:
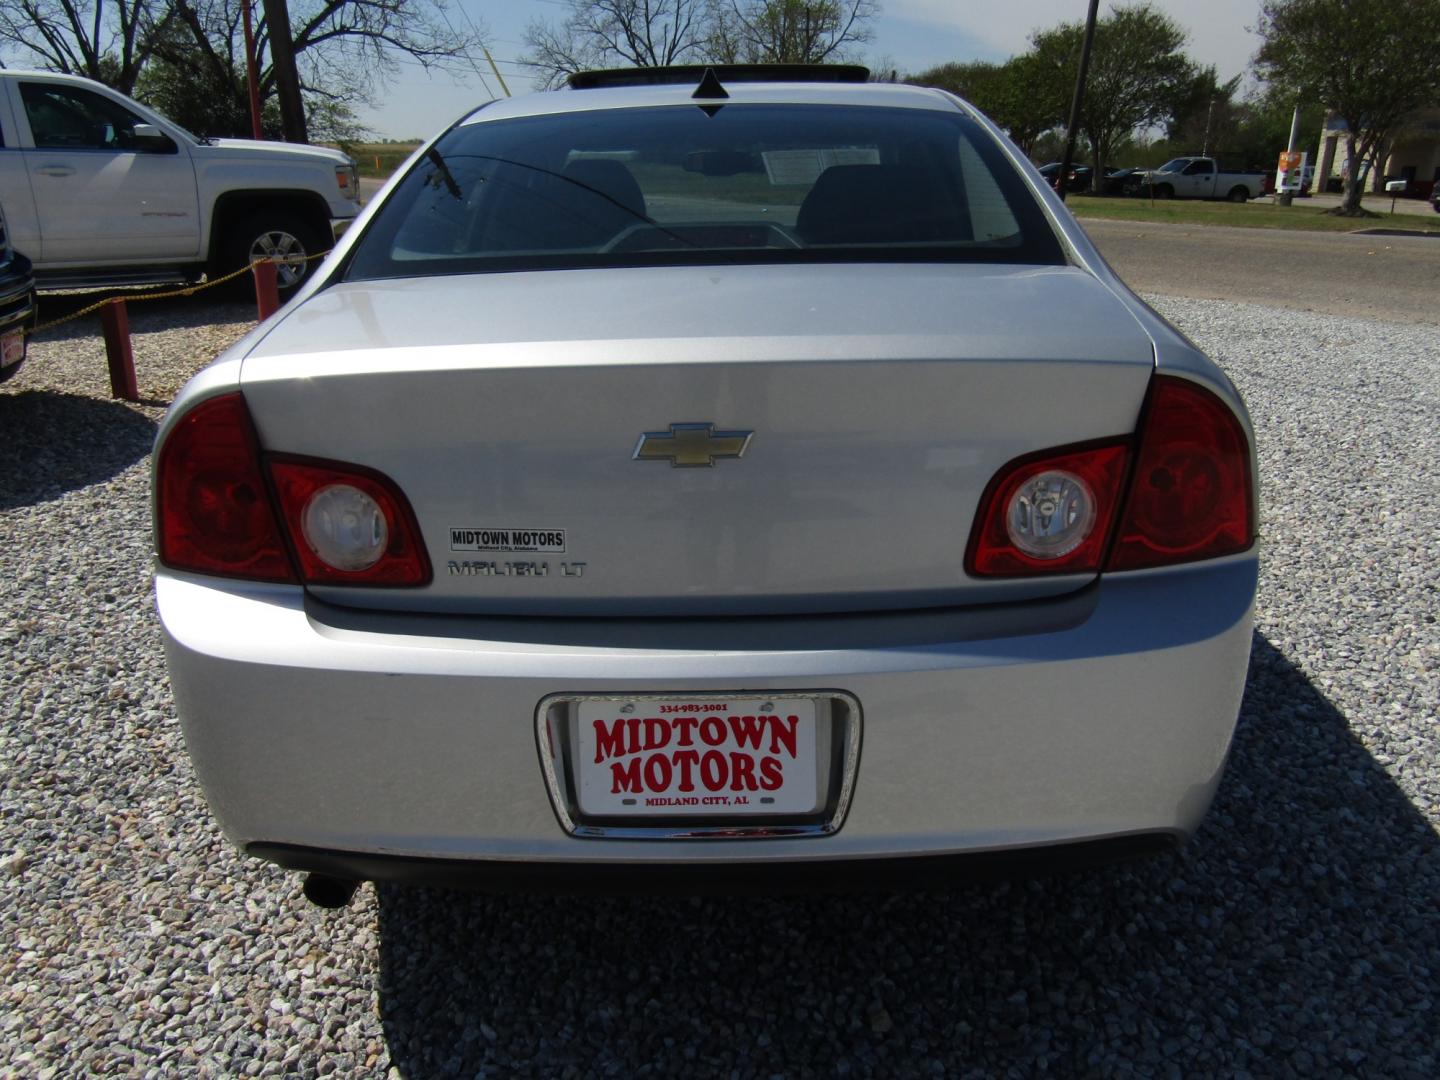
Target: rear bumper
(799, 876)
(370, 736)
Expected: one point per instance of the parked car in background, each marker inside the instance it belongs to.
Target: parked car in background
(17, 304)
(1202, 178)
(1116, 182)
(695, 472)
(100, 189)
(1121, 181)
(1078, 176)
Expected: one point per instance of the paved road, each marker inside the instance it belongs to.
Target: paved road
(1378, 277)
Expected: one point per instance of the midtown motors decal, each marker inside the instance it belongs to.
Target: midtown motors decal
(498, 539)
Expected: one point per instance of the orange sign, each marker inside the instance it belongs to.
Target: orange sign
(1289, 160)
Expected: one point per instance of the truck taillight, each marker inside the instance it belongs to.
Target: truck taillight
(217, 512)
(1070, 510)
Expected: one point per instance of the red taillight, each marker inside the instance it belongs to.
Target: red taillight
(213, 512)
(216, 513)
(378, 545)
(1088, 476)
(1191, 496)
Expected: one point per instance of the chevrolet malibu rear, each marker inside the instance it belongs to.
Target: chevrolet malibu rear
(728, 477)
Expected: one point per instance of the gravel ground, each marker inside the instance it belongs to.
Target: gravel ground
(1298, 934)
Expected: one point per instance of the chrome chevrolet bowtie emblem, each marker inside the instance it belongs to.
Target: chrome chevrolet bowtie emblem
(691, 445)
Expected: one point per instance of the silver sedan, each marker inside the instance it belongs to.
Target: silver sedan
(714, 475)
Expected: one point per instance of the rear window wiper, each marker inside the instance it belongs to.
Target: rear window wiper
(433, 156)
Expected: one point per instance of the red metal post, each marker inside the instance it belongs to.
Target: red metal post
(115, 322)
(267, 292)
(250, 77)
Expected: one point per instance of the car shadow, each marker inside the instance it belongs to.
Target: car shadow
(1268, 943)
(57, 442)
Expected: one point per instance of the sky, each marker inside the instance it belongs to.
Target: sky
(911, 35)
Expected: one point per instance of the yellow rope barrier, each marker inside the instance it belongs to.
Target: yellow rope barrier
(169, 294)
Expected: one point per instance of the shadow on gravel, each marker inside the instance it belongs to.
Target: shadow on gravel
(200, 309)
(56, 443)
(1296, 933)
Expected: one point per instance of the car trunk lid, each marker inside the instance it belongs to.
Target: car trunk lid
(874, 402)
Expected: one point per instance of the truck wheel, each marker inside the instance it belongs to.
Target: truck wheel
(1164, 191)
(275, 234)
(1238, 194)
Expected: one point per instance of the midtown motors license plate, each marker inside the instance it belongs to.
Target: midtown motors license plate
(716, 756)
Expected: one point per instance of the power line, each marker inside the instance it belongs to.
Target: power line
(470, 59)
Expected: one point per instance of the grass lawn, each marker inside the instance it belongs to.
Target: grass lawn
(1252, 215)
(380, 159)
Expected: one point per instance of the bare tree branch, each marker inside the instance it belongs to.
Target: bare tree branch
(792, 31)
(619, 33)
(82, 39)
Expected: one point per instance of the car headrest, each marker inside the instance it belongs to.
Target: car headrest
(877, 204)
(610, 178)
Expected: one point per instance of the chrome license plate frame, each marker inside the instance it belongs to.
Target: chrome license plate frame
(837, 725)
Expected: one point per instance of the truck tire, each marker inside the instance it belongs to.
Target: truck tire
(1238, 194)
(1164, 191)
(275, 234)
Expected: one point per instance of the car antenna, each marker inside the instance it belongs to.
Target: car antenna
(710, 87)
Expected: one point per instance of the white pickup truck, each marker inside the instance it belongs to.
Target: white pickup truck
(1201, 178)
(98, 189)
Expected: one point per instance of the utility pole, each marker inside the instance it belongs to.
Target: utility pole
(496, 70)
(1285, 198)
(287, 78)
(1062, 181)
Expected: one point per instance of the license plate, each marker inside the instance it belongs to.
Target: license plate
(656, 757)
(12, 348)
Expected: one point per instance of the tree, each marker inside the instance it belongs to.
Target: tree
(619, 33)
(1264, 125)
(110, 44)
(201, 89)
(1371, 62)
(1205, 113)
(1137, 72)
(979, 82)
(653, 33)
(789, 31)
(1021, 95)
(284, 72)
(345, 50)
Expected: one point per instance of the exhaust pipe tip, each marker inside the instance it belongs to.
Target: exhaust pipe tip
(328, 892)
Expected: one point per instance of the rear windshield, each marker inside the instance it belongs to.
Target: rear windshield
(678, 184)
